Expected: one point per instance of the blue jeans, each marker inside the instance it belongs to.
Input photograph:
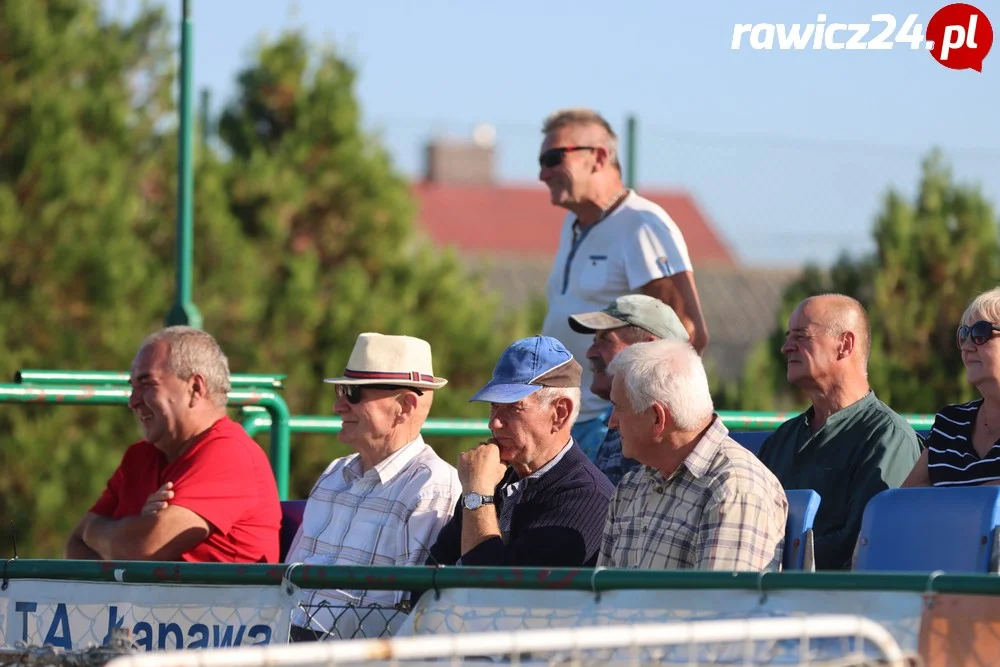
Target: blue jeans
(590, 434)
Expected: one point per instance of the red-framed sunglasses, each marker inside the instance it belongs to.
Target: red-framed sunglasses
(554, 156)
(980, 332)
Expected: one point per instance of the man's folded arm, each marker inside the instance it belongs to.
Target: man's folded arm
(165, 535)
(76, 548)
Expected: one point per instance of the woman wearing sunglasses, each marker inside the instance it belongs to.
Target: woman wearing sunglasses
(963, 448)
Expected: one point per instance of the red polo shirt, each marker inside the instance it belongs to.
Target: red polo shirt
(224, 477)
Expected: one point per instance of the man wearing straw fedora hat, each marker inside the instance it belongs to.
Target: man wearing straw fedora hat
(385, 504)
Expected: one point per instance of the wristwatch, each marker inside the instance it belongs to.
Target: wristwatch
(473, 500)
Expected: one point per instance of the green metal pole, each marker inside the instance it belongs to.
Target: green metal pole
(630, 176)
(280, 450)
(184, 311)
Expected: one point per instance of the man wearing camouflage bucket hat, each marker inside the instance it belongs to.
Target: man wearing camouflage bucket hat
(630, 319)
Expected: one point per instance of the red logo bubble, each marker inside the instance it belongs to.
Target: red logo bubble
(961, 36)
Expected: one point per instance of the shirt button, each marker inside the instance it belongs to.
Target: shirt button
(644, 529)
(659, 489)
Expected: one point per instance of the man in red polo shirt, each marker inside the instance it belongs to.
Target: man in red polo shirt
(197, 487)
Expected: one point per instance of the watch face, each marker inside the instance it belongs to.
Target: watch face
(473, 501)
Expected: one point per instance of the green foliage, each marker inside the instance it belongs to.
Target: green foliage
(79, 281)
(304, 239)
(339, 253)
(933, 257)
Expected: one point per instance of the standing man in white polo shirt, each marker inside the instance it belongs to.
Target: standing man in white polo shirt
(613, 242)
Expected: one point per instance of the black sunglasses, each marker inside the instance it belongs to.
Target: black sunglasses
(554, 156)
(353, 391)
(980, 332)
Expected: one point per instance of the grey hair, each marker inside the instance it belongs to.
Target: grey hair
(985, 306)
(668, 372)
(579, 116)
(194, 352)
(545, 396)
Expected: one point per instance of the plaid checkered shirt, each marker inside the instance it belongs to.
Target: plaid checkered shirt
(389, 515)
(722, 509)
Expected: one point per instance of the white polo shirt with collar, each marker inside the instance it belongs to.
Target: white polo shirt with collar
(637, 243)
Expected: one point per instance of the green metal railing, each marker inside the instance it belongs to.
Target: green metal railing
(257, 421)
(430, 578)
(269, 400)
(47, 377)
(265, 410)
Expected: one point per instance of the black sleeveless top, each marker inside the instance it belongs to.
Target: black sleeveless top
(951, 459)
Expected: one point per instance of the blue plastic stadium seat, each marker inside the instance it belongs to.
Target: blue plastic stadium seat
(802, 507)
(928, 529)
(752, 440)
(291, 519)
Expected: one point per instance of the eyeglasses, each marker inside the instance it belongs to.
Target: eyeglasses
(554, 156)
(352, 392)
(980, 332)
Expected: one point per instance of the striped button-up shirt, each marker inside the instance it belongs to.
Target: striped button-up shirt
(389, 515)
(721, 509)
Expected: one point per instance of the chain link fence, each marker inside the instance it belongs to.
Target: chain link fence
(329, 622)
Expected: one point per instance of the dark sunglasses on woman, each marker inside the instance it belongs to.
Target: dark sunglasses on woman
(980, 332)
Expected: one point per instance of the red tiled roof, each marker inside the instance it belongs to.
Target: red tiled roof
(520, 219)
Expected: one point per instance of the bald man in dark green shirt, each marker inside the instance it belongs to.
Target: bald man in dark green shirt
(848, 445)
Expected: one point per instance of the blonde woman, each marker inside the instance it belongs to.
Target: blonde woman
(963, 448)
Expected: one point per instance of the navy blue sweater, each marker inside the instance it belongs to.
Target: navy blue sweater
(558, 521)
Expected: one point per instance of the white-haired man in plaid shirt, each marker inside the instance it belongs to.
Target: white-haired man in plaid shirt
(700, 500)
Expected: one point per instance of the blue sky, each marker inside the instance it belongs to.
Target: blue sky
(788, 152)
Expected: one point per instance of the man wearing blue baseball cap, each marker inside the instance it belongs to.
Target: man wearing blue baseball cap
(530, 497)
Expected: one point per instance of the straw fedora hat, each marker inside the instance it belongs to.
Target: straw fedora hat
(398, 360)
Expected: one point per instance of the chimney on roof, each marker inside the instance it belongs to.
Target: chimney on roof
(462, 162)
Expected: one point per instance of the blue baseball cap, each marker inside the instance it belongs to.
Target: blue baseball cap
(528, 365)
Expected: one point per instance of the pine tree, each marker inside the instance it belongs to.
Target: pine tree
(933, 256)
(81, 279)
(338, 249)
(304, 238)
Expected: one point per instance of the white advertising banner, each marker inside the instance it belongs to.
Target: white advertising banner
(78, 615)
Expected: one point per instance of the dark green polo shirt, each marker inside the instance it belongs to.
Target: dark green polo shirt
(861, 450)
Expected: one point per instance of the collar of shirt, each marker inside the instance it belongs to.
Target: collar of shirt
(551, 464)
(844, 414)
(606, 213)
(700, 459)
(605, 417)
(388, 467)
(516, 482)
